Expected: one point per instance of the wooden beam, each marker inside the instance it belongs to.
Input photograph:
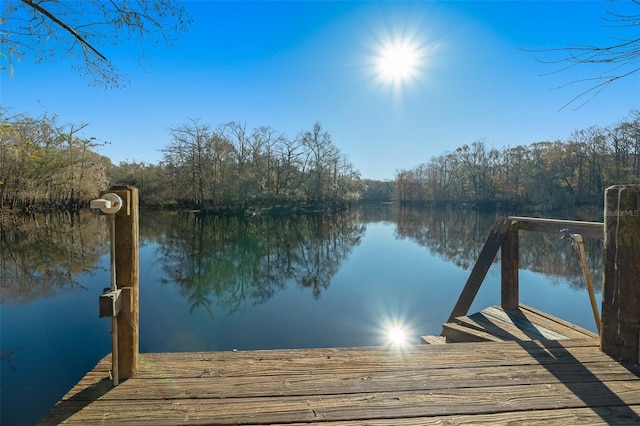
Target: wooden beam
(619, 335)
(127, 275)
(579, 245)
(586, 229)
(509, 265)
(497, 234)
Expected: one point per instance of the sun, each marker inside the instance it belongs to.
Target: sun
(398, 62)
(400, 55)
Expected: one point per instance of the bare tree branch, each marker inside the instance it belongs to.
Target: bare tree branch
(66, 27)
(623, 56)
(45, 29)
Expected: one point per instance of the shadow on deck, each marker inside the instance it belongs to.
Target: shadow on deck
(517, 365)
(495, 324)
(558, 382)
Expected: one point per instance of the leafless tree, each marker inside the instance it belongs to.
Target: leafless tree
(77, 31)
(619, 59)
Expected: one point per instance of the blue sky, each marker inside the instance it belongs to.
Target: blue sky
(291, 64)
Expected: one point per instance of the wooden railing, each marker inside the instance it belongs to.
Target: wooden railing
(504, 236)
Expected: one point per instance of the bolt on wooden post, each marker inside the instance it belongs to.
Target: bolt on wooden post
(620, 334)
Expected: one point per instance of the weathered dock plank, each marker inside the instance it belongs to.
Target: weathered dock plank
(515, 322)
(474, 383)
(570, 330)
(311, 384)
(358, 406)
(561, 417)
(523, 323)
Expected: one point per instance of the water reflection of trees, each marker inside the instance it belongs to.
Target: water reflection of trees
(234, 260)
(458, 236)
(455, 235)
(43, 254)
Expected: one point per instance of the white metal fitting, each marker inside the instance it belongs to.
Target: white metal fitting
(110, 203)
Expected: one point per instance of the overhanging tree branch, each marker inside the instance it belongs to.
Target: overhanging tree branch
(44, 29)
(64, 26)
(623, 57)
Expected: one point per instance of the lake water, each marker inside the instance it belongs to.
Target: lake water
(218, 284)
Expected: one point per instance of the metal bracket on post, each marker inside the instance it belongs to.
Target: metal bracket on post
(110, 302)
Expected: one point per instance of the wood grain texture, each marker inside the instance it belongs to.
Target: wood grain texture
(554, 382)
(509, 266)
(128, 275)
(621, 288)
(523, 323)
(592, 230)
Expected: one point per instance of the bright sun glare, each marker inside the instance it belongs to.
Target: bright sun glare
(398, 62)
(397, 336)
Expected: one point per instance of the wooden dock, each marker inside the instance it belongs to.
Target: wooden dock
(551, 382)
(521, 366)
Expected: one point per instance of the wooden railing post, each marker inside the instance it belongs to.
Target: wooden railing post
(127, 279)
(487, 254)
(509, 265)
(620, 334)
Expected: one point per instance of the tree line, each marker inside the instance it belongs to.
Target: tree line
(47, 165)
(231, 167)
(544, 175)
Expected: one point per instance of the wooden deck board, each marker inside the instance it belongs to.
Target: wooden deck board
(433, 340)
(361, 406)
(571, 331)
(561, 417)
(553, 381)
(467, 330)
(530, 329)
(310, 384)
(523, 323)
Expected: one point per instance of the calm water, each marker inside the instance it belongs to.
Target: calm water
(224, 283)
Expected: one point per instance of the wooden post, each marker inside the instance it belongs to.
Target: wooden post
(127, 279)
(621, 288)
(509, 265)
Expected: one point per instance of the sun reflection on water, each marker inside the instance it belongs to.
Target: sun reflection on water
(397, 335)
